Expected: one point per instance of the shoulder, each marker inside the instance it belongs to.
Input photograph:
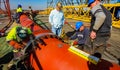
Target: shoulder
(29, 31)
(86, 30)
(96, 8)
(14, 28)
(11, 34)
(54, 10)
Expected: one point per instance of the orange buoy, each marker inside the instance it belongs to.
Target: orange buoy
(51, 53)
(54, 55)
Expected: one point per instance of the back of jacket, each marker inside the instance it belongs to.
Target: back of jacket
(81, 36)
(106, 26)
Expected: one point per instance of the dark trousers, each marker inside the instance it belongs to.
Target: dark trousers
(81, 46)
(98, 44)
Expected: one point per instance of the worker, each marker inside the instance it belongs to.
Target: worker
(31, 12)
(81, 35)
(56, 19)
(30, 9)
(13, 45)
(17, 35)
(117, 14)
(18, 38)
(19, 11)
(100, 29)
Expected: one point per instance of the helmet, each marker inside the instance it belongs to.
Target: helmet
(90, 1)
(22, 32)
(78, 25)
(19, 5)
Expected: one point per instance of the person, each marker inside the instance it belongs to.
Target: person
(31, 12)
(118, 14)
(100, 29)
(18, 38)
(81, 35)
(19, 11)
(56, 19)
(12, 45)
(17, 35)
(30, 8)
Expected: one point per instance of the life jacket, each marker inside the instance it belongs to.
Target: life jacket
(106, 26)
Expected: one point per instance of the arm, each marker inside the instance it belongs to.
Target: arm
(51, 18)
(63, 20)
(74, 36)
(11, 35)
(15, 44)
(100, 18)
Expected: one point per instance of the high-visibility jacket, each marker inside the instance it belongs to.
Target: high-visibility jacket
(12, 35)
(19, 10)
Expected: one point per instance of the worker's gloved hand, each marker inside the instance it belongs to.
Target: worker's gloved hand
(75, 42)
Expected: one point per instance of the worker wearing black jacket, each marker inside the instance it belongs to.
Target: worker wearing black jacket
(101, 20)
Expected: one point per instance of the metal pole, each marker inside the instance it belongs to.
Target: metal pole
(8, 9)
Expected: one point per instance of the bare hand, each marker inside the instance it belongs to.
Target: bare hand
(93, 35)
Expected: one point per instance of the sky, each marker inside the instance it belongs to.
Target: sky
(35, 4)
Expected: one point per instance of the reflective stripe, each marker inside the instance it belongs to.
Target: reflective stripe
(84, 55)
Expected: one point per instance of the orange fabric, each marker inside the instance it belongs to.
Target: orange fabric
(12, 43)
(15, 44)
